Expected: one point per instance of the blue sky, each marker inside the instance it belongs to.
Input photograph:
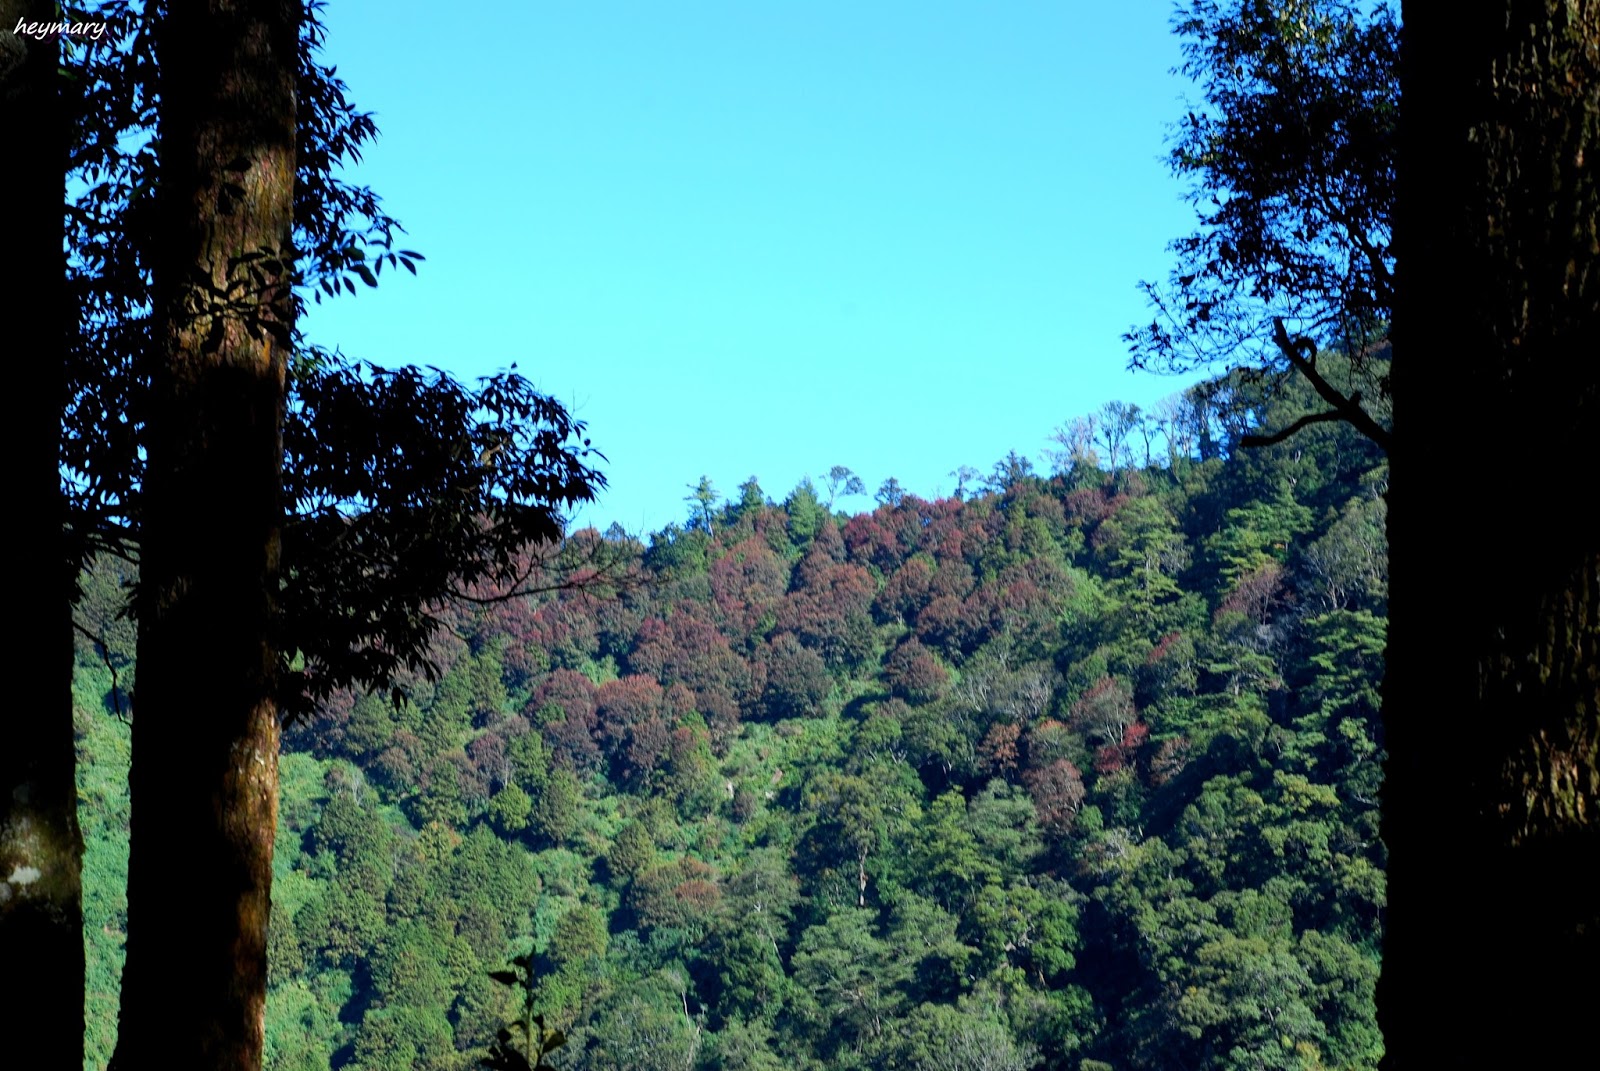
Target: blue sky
(764, 238)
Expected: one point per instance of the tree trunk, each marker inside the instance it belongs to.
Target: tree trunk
(1492, 705)
(41, 848)
(205, 732)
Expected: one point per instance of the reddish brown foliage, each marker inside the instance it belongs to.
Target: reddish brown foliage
(644, 749)
(999, 751)
(913, 674)
(633, 723)
(1169, 760)
(563, 628)
(1087, 506)
(1105, 711)
(1255, 594)
(1058, 792)
(829, 613)
(797, 679)
(564, 709)
(953, 578)
(685, 649)
(569, 690)
(487, 756)
(681, 893)
(905, 593)
(722, 716)
(747, 584)
(944, 622)
(1115, 756)
(395, 766)
(883, 538)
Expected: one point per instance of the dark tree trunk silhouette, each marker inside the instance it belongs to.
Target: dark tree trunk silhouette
(206, 727)
(1492, 708)
(41, 848)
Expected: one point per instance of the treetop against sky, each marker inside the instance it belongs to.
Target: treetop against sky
(771, 239)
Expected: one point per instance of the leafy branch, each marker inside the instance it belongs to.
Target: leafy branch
(527, 1052)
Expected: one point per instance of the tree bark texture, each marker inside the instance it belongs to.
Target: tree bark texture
(41, 847)
(204, 782)
(1492, 706)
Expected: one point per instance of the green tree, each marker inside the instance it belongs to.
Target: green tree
(745, 956)
(741, 1046)
(1290, 161)
(566, 969)
(924, 940)
(404, 1038)
(510, 810)
(703, 496)
(806, 513)
(746, 972)
(941, 1038)
(1003, 821)
(763, 892)
(1144, 552)
(556, 809)
(1034, 929)
(1348, 566)
(858, 816)
(1246, 999)
(848, 979)
(946, 860)
(1343, 978)
(358, 839)
(1254, 535)
(632, 852)
(530, 762)
(645, 1028)
(751, 497)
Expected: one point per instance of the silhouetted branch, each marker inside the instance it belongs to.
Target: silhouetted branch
(1295, 351)
(105, 657)
(1330, 416)
(614, 575)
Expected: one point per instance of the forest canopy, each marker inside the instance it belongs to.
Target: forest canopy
(1077, 767)
(1080, 768)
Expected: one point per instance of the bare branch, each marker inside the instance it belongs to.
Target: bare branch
(1330, 416)
(1348, 407)
(105, 657)
(596, 571)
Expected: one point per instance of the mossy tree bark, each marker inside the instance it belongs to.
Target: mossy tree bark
(1492, 709)
(41, 848)
(206, 730)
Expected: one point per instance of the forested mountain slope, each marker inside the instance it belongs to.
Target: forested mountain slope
(1076, 771)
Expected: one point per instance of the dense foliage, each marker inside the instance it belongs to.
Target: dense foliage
(1288, 155)
(1080, 768)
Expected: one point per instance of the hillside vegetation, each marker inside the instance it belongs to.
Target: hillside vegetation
(1070, 772)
